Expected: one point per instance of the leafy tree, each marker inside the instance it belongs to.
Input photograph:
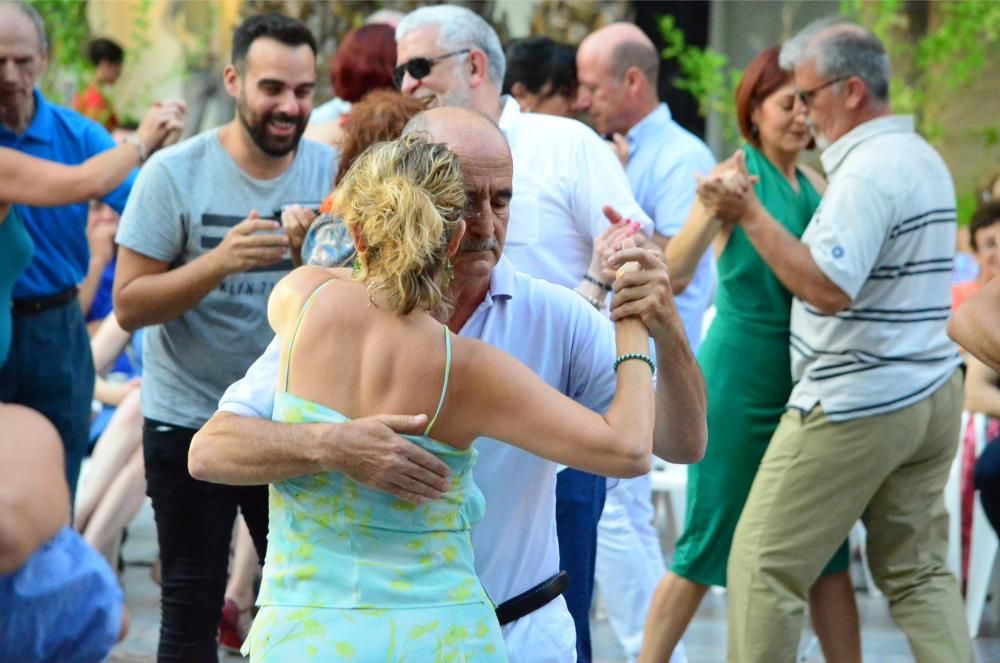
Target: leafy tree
(939, 50)
(68, 32)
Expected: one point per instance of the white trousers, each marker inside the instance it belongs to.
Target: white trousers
(629, 561)
(547, 635)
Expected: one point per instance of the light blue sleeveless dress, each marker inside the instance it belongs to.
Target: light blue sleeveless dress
(354, 574)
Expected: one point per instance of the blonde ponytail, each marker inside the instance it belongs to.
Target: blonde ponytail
(405, 199)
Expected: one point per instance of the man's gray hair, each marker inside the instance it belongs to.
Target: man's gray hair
(36, 20)
(459, 28)
(840, 48)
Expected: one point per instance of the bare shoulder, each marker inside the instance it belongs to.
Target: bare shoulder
(291, 292)
(482, 368)
(814, 177)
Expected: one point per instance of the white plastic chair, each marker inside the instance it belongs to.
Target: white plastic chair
(953, 505)
(670, 482)
(858, 540)
(983, 545)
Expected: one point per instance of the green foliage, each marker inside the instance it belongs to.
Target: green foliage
(705, 74)
(937, 49)
(66, 26)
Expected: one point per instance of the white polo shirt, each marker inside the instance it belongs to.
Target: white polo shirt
(570, 346)
(885, 234)
(564, 175)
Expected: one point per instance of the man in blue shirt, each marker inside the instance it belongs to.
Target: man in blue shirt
(617, 67)
(50, 367)
(61, 601)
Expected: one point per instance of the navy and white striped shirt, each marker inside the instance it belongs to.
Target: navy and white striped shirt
(885, 234)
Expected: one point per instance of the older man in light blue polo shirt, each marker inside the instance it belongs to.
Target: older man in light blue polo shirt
(618, 69)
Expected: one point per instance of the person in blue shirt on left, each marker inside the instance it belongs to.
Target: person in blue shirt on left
(61, 601)
(49, 367)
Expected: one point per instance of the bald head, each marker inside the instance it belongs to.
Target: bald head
(23, 50)
(488, 171)
(26, 21)
(459, 128)
(619, 46)
(617, 67)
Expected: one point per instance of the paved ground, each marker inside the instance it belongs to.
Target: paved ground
(705, 640)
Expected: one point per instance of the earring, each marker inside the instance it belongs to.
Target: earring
(754, 131)
(356, 269)
(449, 274)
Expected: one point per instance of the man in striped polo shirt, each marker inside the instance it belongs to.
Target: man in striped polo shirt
(872, 423)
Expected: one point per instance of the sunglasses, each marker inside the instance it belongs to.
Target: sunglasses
(418, 68)
(807, 96)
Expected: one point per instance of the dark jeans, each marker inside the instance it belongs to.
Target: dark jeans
(194, 526)
(987, 480)
(50, 369)
(579, 502)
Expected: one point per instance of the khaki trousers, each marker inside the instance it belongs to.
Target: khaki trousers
(817, 478)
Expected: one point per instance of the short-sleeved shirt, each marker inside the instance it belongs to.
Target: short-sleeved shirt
(92, 102)
(884, 233)
(571, 347)
(184, 202)
(62, 255)
(663, 159)
(63, 604)
(564, 175)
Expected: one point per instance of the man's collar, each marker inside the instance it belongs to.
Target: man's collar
(40, 128)
(658, 118)
(502, 279)
(833, 156)
(510, 112)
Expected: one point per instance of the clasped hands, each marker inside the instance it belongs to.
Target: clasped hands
(643, 292)
(727, 192)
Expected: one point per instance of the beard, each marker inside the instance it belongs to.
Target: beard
(822, 142)
(257, 128)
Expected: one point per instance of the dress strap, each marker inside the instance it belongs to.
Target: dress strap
(295, 330)
(447, 373)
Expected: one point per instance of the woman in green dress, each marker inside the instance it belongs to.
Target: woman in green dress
(745, 359)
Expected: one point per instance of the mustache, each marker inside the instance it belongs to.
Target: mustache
(473, 245)
(285, 117)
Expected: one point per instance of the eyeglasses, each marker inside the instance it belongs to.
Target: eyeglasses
(807, 96)
(418, 68)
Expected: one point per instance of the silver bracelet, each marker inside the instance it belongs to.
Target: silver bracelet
(140, 148)
(593, 301)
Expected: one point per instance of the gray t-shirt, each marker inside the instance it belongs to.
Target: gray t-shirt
(182, 204)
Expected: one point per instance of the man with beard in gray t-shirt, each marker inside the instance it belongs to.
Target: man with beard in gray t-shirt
(199, 256)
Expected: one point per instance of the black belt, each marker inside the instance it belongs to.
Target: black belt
(533, 599)
(31, 305)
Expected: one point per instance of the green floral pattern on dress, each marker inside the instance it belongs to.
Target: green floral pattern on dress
(354, 574)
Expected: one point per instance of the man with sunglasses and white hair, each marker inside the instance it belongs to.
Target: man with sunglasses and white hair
(564, 177)
(872, 424)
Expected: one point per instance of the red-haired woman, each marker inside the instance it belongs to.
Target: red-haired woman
(364, 62)
(745, 359)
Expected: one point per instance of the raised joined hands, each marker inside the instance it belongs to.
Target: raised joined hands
(727, 192)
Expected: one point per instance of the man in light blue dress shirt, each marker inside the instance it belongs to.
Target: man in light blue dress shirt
(618, 68)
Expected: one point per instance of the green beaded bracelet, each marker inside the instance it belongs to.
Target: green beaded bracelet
(636, 355)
